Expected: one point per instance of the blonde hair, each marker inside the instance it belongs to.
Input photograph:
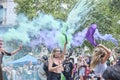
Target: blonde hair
(53, 53)
(98, 54)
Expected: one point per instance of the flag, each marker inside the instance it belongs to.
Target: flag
(66, 40)
(90, 34)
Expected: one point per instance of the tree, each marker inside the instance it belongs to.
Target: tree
(107, 19)
(57, 8)
(115, 6)
(105, 14)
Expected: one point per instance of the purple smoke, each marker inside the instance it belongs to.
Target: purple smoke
(45, 37)
(107, 37)
(90, 34)
(79, 38)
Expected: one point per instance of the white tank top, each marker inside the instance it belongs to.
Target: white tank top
(100, 68)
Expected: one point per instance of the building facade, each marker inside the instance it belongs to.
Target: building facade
(7, 12)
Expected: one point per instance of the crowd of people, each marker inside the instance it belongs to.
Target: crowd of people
(96, 67)
(59, 66)
(24, 72)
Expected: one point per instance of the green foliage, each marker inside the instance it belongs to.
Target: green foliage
(31, 8)
(105, 14)
(115, 6)
(106, 18)
(89, 46)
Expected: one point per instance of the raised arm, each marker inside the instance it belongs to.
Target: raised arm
(65, 45)
(107, 55)
(64, 50)
(17, 50)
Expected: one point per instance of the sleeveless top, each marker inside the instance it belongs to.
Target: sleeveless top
(54, 65)
(2, 54)
(100, 68)
(1, 57)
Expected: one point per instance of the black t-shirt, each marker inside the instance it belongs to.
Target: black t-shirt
(45, 67)
(1, 56)
(3, 53)
(68, 66)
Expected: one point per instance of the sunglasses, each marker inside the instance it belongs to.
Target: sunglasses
(57, 51)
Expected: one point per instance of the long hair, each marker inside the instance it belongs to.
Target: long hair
(53, 52)
(52, 55)
(98, 54)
